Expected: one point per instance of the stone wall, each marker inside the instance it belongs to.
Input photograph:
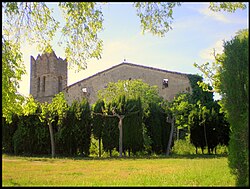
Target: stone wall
(48, 76)
(177, 82)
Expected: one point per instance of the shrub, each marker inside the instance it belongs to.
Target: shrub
(183, 147)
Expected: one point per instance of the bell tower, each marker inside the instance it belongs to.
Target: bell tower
(48, 76)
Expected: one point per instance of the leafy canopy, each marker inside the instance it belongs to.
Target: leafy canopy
(130, 89)
(12, 70)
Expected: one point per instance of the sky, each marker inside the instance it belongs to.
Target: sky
(196, 32)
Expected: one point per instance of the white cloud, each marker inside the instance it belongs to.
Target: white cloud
(219, 16)
(207, 53)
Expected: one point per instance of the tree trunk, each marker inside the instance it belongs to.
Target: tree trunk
(52, 140)
(205, 134)
(100, 153)
(170, 137)
(120, 137)
(110, 153)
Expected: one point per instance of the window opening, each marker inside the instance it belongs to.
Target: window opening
(165, 83)
(84, 89)
(59, 83)
(43, 83)
(38, 84)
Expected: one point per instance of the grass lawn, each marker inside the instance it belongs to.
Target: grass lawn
(193, 170)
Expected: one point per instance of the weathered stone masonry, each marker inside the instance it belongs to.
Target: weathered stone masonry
(48, 76)
(55, 70)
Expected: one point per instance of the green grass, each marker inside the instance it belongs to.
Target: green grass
(192, 170)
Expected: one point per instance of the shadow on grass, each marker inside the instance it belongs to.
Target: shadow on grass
(171, 156)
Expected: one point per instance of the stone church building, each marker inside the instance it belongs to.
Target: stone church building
(49, 77)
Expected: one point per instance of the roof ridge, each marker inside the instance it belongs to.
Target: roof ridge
(124, 63)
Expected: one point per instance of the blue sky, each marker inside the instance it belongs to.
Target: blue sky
(196, 32)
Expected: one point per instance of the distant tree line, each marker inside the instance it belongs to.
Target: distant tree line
(144, 122)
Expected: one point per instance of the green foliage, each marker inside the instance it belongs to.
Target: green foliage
(234, 86)
(183, 147)
(202, 123)
(12, 70)
(130, 89)
(73, 136)
(226, 6)
(85, 128)
(181, 108)
(123, 97)
(94, 148)
(157, 128)
(132, 127)
(229, 76)
(53, 114)
(98, 120)
(211, 72)
(31, 106)
(83, 22)
(156, 17)
(198, 94)
(110, 137)
(29, 21)
(33, 22)
(56, 110)
(8, 130)
(31, 136)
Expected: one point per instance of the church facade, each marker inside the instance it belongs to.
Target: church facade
(49, 77)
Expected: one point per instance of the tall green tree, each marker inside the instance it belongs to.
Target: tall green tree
(131, 89)
(180, 108)
(66, 136)
(84, 127)
(133, 128)
(31, 136)
(8, 131)
(54, 112)
(234, 86)
(198, 94)
(73, 135)
(110, 137)
(123, 109)
(120, 110)
(197, 134)
(12, 70)
(155, 123)
(98, 122)
(230, 78)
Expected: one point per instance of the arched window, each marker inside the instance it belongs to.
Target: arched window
(43, 83)
(38, 84)
(59, 83)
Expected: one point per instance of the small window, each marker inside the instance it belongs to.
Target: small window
(84, 90)
(38, 84)
(165, 83)
(59, 83)
(44, 83)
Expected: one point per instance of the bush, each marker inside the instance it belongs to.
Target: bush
(183, 147)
